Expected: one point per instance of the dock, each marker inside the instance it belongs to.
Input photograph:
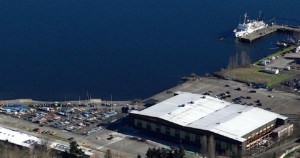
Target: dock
(269, 30)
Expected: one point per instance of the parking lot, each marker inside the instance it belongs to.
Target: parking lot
(90, 125)
(87, 124)
(79, 119)
(277, 101)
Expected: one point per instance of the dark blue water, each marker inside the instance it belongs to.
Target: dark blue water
(60, 49)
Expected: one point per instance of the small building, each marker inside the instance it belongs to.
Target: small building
(283, 131)
(264, 63)
(298, 49)
(288, 68)
(28, 140)
(271, 71)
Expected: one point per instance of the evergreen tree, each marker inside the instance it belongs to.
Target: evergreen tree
(139, 156)
(149, 153)
(170, 154)
(181, 151)
(176, 153)
(234, 153)
(274, 155)
(204, 146)
(164, 153)
(157, 153)
(211, 147)
(108, 154)
(75, 151)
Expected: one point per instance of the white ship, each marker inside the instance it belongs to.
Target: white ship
(249, 27)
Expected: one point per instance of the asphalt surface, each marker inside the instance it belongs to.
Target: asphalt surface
(123, 146)
(280, 102)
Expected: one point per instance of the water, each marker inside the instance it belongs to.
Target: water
(59, 50)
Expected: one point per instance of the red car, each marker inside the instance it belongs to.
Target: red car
(37, 129)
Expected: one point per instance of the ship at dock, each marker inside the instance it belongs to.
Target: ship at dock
(249, 26)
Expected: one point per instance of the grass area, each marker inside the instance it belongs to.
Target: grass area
(280, 78)
(275, 54)
(257, 75)
(60, 138)
(53, 136)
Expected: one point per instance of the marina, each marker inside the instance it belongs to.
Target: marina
(267, 31)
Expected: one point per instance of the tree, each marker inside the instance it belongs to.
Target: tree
(181, 151)
(176, 153)
(245, 59)
(139, 156)
(234, 153)
(170, 154)
(108, 154)
(204, 146)
(75, 151)
(149, 153)
(164, 153)
(43, 149)
(274, 155)
(211, 147)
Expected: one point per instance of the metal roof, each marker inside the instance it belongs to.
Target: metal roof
(27, 140)
(211, 114)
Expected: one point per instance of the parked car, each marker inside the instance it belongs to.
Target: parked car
(37, 129)
(72, 138)
(259, 104)
(269, 109)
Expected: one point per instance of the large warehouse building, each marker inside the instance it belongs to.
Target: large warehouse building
(188, 118)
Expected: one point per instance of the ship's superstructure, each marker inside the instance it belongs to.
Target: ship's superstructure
(248, 27)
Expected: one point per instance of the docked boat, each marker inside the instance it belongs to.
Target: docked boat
(249, 26)
(281, 44)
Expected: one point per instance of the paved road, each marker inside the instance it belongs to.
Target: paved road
(278, 150)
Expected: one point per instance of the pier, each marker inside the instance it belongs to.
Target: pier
(269, 30)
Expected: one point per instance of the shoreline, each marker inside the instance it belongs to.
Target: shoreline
(185, 79)
(31, 101)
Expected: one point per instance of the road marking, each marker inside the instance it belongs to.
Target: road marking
(114, 141)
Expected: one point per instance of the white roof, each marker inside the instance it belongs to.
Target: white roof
(26, 140)
(17, 137)
(211, 114)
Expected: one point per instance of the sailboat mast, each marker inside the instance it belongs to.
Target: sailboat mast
(111, 102)
(245, 16)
